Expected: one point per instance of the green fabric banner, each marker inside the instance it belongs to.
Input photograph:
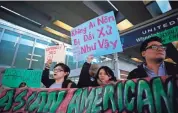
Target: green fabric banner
(169, 35)
(13, 77)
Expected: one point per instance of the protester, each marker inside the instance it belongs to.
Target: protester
(87, 74)
(23, 85)
(104, 76)
(61, 73)
(154, 54)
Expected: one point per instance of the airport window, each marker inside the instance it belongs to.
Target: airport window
(16, 50)
(80, 64)
(70, 60)
(39, 54)
(8, 46)
(24, 52)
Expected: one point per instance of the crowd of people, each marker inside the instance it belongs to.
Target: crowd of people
(152, 50)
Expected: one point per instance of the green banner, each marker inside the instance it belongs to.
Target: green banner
(169, 35)
(13, 77)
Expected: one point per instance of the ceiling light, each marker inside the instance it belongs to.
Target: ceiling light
(123, 25)
(113, 5)
(62, 25)
(55, 32)
(136, 59)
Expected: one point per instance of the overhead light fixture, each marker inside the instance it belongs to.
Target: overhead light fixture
(55, 32)
(112, 5)
(136, 59)
(7, 9)
(62, 25)
(123, 25)
(164, 5)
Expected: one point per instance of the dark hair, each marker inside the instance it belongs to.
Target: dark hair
(145, 43)
(22, 84)
(65, 68)
(108, 71)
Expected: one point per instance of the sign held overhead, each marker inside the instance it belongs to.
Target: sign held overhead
(96, 37)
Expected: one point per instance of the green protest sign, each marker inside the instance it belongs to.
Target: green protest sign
(13, 77)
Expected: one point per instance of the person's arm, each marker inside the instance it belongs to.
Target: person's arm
(45, 78)
(84, 78)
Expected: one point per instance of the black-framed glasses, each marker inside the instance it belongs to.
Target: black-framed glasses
(58, 70)
(156, 47)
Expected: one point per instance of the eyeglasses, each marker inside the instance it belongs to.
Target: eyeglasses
(58, 70)
(156, 47)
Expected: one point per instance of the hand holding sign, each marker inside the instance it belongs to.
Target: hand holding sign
(48, 64)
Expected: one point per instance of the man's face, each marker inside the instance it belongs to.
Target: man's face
(154, 51)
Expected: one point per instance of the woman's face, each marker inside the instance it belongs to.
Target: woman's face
(103, 76)
(59, 72)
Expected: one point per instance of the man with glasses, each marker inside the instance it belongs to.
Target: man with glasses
(154, 54)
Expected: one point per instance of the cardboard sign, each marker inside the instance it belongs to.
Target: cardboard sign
(55, 53)
(96, 37)
(146, 95)
(14, 77)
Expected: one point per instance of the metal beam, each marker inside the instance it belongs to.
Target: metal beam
(26, 10)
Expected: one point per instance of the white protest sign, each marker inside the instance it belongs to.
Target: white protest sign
(55, 53)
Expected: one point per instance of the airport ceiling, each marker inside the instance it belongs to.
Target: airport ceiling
(40, 14)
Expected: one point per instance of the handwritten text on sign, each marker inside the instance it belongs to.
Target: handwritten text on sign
(13, 77)
(155, 95)
(55, 53)
(96, 37)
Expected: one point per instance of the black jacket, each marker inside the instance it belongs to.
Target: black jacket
(171, 69)
(48, 82)
(85, 78)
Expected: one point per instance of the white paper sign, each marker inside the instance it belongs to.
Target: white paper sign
(55, 53)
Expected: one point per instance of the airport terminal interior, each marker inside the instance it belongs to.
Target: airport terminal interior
(27, 28)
